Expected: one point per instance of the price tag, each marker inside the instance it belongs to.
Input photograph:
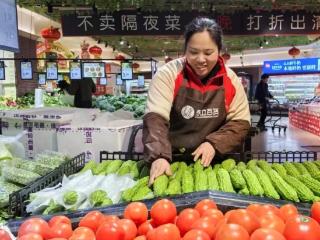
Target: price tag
(42, 79)
(2, 71)
(126, 71)
(75, 70)
(119, 81)
(26, 70)
(103, 81)
(52, 71)
(140, 81)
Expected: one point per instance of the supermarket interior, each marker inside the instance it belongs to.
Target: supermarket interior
(159, 119)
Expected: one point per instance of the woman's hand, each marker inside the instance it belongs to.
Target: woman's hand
(207, 153)
(159, 167)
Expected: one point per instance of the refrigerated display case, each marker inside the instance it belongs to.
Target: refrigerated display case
(293, 88)
(293, 80)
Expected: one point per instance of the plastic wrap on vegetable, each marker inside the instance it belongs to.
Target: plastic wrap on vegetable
(32, 166)
(4, 152)
(99, 198)
(17, 175)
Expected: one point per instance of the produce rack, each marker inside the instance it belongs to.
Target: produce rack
(17, 200)
(224, 201)
(269, 156)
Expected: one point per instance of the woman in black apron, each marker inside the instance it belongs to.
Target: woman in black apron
(195, 103)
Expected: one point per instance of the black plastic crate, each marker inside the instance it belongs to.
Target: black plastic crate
(17, 200)
(225, 202)
(105, 155)
(279, 157)
(272, 157)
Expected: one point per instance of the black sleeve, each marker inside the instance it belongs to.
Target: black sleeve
(94, 89)
(73, 87)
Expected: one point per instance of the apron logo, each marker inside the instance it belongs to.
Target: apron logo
(187, 112)
(207, 113)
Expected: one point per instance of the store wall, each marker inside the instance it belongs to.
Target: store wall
(27, 50)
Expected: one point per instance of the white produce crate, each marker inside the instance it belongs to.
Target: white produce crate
(114, 136)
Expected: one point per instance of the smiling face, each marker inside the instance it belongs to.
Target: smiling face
(202, 53)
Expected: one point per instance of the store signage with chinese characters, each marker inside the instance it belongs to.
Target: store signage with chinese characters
(173, 23)
(292, 66)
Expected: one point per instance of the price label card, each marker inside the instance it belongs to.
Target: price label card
(119, 81)
(52, 71)
(26, 70)
(140, 81)
(2, 71)
(41, 79)
(126, 71)
(75, 70)
(103, 81)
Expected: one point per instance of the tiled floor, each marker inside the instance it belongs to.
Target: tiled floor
(294, 139)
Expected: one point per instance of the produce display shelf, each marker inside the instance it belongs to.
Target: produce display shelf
(269, 156)
(224, 201)
(17, 200)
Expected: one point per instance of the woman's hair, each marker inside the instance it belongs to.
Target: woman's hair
(201, 24)
(265, 76)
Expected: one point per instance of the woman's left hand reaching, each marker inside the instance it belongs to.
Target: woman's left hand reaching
(207, 153)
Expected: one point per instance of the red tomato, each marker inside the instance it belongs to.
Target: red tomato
(59, 219)
(206, 224)
(110, 231)
(267, 209)
(83, 233)
(142, 237)
(288, 211)
(30, 236)
(151, 235)
(62, 230)
(92, 220)
(302, 228)
(163, 211)
(245, 219)
(58, 239)
(137, 212)
(254, 207)
(273, 222)
(167, 232)
(204, 205)
(266, 234)
(227, 214)
(315, 211)
(34, 225)
(215, 213)
(4, 235)
(232, 232)
(196, 234)
(110, 218)
(129, 228)
(144, 228)
(186, 218)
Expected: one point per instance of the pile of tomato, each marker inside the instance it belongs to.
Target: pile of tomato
(203, 222)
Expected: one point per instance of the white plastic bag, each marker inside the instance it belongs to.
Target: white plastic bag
(13, 144)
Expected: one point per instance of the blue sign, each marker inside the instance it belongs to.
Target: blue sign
(292, 66)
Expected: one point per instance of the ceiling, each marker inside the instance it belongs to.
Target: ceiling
(156, 46)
